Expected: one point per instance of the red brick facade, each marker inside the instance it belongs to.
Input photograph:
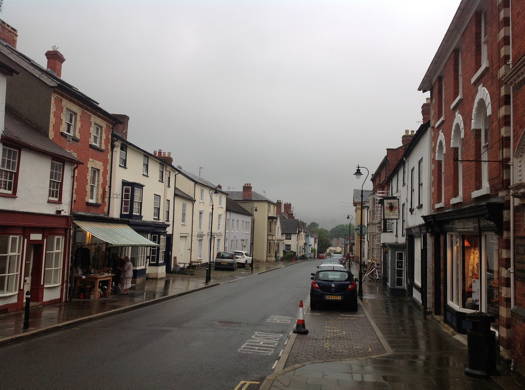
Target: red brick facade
(81, 147)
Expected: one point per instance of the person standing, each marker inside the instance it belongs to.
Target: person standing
(127, 275)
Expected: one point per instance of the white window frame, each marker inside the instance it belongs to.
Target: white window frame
(96, 135)
(137, 200)
(201, 217)
(156, 206)
(199, 248)
(56, 177)
(70, 122)
(53, 261)
(13, 254)
(145, 165)
(161, 172)
(126, 199)
(8, 173)
(219, 221)
(94, 183)
(167, 210)
(123, 155)
(202, 195)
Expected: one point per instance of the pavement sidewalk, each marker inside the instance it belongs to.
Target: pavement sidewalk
(387, 344)
(48, 317)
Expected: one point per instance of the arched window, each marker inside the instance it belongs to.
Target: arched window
(440, 169)
(456, 145)
(481, 129)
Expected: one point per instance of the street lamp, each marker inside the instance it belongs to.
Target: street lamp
(252, 237)
(358, 174)
(349, 218)
(208, 270)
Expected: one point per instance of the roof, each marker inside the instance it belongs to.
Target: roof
(200, 180)
(234, 207)
(413, 142)
(238, 196)
(182, 194)
(455, 29)
(289, 226)
(23, 134)
(357, 195)
(50, 78)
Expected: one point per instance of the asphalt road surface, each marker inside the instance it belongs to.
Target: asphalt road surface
(210, 339)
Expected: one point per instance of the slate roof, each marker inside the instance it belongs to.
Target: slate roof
(357, 196)
(182, 194)
(237, 195)
(23, 134)
(199, 180)
(234, 207)
(289, 226)
(50, 78)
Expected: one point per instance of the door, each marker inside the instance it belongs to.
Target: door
(33, 272)
(183, 250)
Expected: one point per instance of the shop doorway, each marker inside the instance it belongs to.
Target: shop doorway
(33, 273)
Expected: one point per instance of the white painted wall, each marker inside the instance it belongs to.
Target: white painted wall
(235, 235)
(33, 186)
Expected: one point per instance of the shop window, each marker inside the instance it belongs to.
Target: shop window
(162, 249)
(471, 280)
(10, 254)
(56, 176)
(154, 250)
(139, 255)
(8, 169)
(53, 261)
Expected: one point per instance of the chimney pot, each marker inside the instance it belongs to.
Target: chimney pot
(425, 111)
(407, 137)
(55, 59)
(278, 207)
(8, 34)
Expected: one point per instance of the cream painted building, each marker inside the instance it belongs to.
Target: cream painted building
(266, 242)
(357, 206)
(197, 203)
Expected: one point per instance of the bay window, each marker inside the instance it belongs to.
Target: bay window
(137, 201)
(10, 254)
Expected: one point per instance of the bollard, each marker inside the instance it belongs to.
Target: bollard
(27, 310)
(482, 349)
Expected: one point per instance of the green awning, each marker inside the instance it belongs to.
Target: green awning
(115, 234)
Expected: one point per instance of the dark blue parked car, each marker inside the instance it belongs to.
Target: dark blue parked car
(333, 286)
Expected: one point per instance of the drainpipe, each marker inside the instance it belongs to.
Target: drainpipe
(71, 232)
(511, 199)
(173, 216)
(112, 144)
(192, 214)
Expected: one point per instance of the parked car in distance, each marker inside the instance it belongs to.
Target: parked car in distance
(321, 256)
(226, 260)
(333, 286)
(242, 258)
(331, 266)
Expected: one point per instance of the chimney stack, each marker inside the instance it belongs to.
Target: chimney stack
(425, 111)
(278, 208)
(407, 137)
(164, 156)
(247, 191)
(8, 34)
(121, 128)
(55, 59)
(288, 210)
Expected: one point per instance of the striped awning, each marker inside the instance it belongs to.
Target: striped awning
(115, 234)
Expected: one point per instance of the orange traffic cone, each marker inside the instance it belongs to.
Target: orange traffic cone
(300, 327)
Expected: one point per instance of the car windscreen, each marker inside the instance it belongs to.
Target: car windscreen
(225, 255)
(332, 276)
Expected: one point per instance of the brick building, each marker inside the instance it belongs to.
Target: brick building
(470, 170)
(514, 77)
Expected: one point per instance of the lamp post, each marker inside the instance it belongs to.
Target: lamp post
(349, 218)
(252, 238)
(208, 270)
(358, 174)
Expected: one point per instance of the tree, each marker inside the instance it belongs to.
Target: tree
(313, 226)
(341, 231)
(323, 240)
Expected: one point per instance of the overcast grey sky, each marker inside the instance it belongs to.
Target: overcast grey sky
(287, 95)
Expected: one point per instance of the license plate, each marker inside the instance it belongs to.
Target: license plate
(333, 297)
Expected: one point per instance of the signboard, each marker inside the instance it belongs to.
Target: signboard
(390, 208)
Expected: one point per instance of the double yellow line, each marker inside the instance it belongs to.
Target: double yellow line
(243, 385)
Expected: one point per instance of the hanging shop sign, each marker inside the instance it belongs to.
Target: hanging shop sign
(390, 208)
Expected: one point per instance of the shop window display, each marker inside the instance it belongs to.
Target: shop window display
(471, 282)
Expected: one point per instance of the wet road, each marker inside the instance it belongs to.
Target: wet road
(211, 339)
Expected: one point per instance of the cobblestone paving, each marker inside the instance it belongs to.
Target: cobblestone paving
(335, 336)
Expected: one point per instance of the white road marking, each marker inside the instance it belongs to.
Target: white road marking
(261, 343)
(274, 364)
(275, 319)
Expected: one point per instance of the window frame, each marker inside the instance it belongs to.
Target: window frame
(70, 125)
(100, 135)
(167, 210)
(15, 173)
(58, 198)
(145, 165)
(17, 268)
(123, 150)
(58, 260)
(420, 183)
(161, 172)
(136, 202)
(93, 186)
(123, 199)
(412, 189)
(157, 201)
(183, 213)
